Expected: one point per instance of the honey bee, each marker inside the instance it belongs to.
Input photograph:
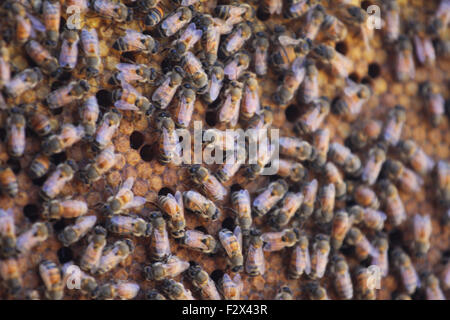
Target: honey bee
(373, 166)
(407, 180)
(10, 273)
(42, 57)
(7, 233)
(363, 248)
(414, 155)
(364, 290)
(23, 81)
(231, 288)
(284, 293)
(154, 16)
(89, 113)
(291, 170)
(276, 241)
(381, 245)
(190, 36)
(56, 181)
(342, 156)
(342, 222)
(123, 290)
(340, 65)
(309, 89)
(67, 137)
(8, 182)
(128, 98)
(287, 50)
(173, 207)
(232, 243)
(163, 270)
(175, 21)
(199, 241)
(236, 39)
(266, 200)
(393, 126)
(194, 70)
(434, 103)
(366, 197)
(23, 27)
(15, 138)
(52, 278)
(67, 209)
(422, 233)
(184, 106)
(287, 208)
(315, 18)
(423, 45)
(316, 291)
(51, 11)
(113, 10)
(393, 205)
(333, 28)
(300, 261)
(215, 83)
(210, 39)
(432, 289)
(443, 182)
(241, 10)
(342, 279)
(242, 208)
(309, 198)
(296, 148)
(203, 282)
(124, 199)
(89, 40)
(261, 121)
(325, 200)
(140, 73)
(68, 54)
(230, 167)
(75, 232)
(38, 233)
(160, 246)
(255, 264)
(312, 119)
(228, 111)
(175, 290)
(167, 87)
(88, 284)
(106, 129)
(128, 226)
(114, 255)
(5, 67)
(404, 61)
(208, 183)
(440, 18)
(352, 99)
(260, 56)
(65, 95)
(364, 133)
(292, 80)
(296, 8)
(236, 65)
(154, 295)
(333, 176)
(406, 270)
(198, 204)
(169, 147)
(392, 20)
(374, 219)
(319, 256)
(250, 97)
(134, 41)
(90, 260)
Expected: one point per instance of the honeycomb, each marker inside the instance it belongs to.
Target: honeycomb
(136, 137)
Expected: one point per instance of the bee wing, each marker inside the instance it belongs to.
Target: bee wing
(128, 184)
(238, 233)
(134, 37)
(286, 40)
(137, 202)
(130, 70)
(179, 199)
(36, 23)
(272, 243)
(307, 261)
(122, 105)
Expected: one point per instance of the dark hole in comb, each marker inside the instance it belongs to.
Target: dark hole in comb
(56, 111)
(367, 81)
(104, 98)
(136, 139)
(228, 223)
(235, 187)
(31, 211)
(347, 250)
(65, 76)
(418, 295)
(62, 24)
(56, 85)
(292, 113)
(341, 47)
(366, 4)
(366, 263)
(39, 181)
(201, 229)
(396, 238)
(58, 158)
(261, 14)
(2, 133)
(166, 65)
(165, 191)
(211, 119)
(64, 255)
(147, 153)
(374, 70)
(354, 76)
(333, 104)
(193, 263)
(59, 225)
(127, 57)
(14, 164)
(217, 275)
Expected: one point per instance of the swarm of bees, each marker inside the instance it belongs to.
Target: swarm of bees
(338, 206)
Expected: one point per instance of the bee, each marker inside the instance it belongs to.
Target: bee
(114, 255)
(23, 81)
(210, 38)
(160, 246)
(106, 129)
(134, 41)
(175, 21)
(7, 233)
(23, 27)
(406, 269)
(203, 282)
(124, 199)
(340, 65)
(184, 106)
(374, 219)
(37, 234)
(284, 293)
(373, 166)
(260, 57)
(242, 208)
(147, 5)
(381, 245)
(300, 261)
(88, 284)
(423, 45)
(169, 147)
(342, 156)
(193, 68)
(15, 138)
(261, 121)
(51, 11)
(312, 119)
(89, 113)
(173, 207)
(128, 226)
(65, 95)
(230, 167)
(333, 176)
(363, 248)
(364, 133)
(163, 270)
(154, 16)
(364, 290)
(228, 111)
(287, 50)
(128, 98)
(255, 263)
(199, 241)
(319, 256)
(78, 230)
(232, 243)
(315, 18)
(231, 288)
(443, 182)
(68, 54)
(154, 295)
(434, 103)
(113, 10)
(440, 18)
(235, 10)
(393, 126)
(186, 41)
(309, 191)
(333, 28)
(296, 8)
(321, 144)
(342, 222)
(342, 279)
(422, 233)
(8, 182)
(292, 80)
(167, 87)
(40, 123)
(56, 181)
(309, 89)
(392, 20)
(291, 170)
(316, 291)
(250, 97)
(235, 40)
(236, 65)
(407, 180)
(296, 148)
(352, 99)
(276, 241)
(67, 137)
(266, 153)
(393, 205)
(208, 183)
(432, 289)
(67, 209)
(266, 200)
(366, 197)
(198, 204)
(124, 290)
(175, 290)
(10, 273)
(215, 83)
(325, 201)
(52, 278)
(140, 73)
(404, 61)
(42, 57)
(414, 155)
(287, 208)
(5, 67)
(90, 260)
(89, 40)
